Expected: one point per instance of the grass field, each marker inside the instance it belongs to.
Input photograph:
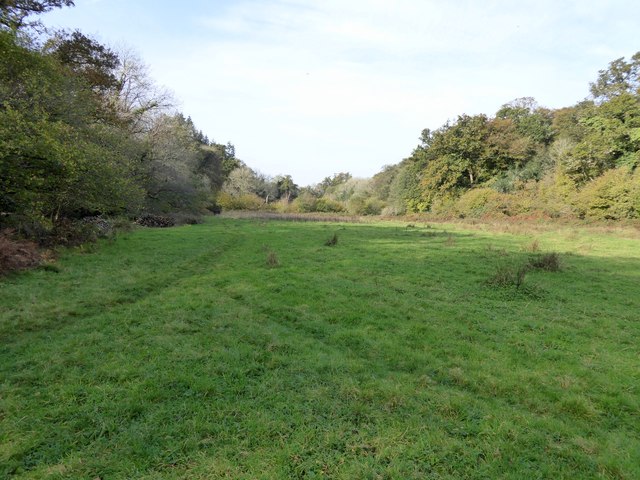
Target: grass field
(249, 349)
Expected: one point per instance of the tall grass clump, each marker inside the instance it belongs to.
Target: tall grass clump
(332, 241)
(272, 259)
(546, 261)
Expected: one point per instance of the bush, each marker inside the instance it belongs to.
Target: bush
(305, 203)
(248, 201)
(546, 261)
(480, 201)
(365, 206)
(612, 196)
(509, 275)
(16, 254)
(327, 205)
(72, 233)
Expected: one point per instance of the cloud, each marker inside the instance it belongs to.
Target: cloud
(311, 88)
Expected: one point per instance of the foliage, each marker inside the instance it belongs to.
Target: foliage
(86, 57)
(85, 132)
(620, 78)
(479, 201)
(249, 201)
(614, 195)
(55, 159)
(14, 13)
(535, 158)
(287, 189)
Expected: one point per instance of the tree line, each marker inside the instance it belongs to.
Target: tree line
(526, 160)
(84, 131)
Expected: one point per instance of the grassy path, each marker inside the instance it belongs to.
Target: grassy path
(180, 354)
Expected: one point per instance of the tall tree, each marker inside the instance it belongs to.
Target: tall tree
(621, 77)
(88, 58)
(287, 189)
(14, 13)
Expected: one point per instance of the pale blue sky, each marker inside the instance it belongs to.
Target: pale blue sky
(311, 88)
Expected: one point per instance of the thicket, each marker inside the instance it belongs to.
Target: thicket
(85, 132)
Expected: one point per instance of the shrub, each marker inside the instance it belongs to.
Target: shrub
(247, 201)
(509, 275)
(305, 203)
(547, 261)
(328, 205)
(365, 206)
(612, 196)
(72, 233)
(480, 201)
(555, 195)
(16, 254)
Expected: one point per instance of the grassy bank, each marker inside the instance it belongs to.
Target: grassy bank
(247, 348)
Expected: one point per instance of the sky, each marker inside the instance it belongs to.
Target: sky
(311, 88)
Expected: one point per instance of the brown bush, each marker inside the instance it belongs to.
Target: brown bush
(548, 261)
(17, 254)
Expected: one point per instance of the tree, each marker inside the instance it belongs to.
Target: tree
(529, 118)
(621, 77)
(611, 138)
(287, 189)
(332, 181)
(173, 159)
(459, 148)
(136, 99)
(14, 13)
(241, 181)
(86, 57)
(55, 159)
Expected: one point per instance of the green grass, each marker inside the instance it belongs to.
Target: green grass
(187, 353)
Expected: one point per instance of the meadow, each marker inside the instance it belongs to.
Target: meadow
(265, 349)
